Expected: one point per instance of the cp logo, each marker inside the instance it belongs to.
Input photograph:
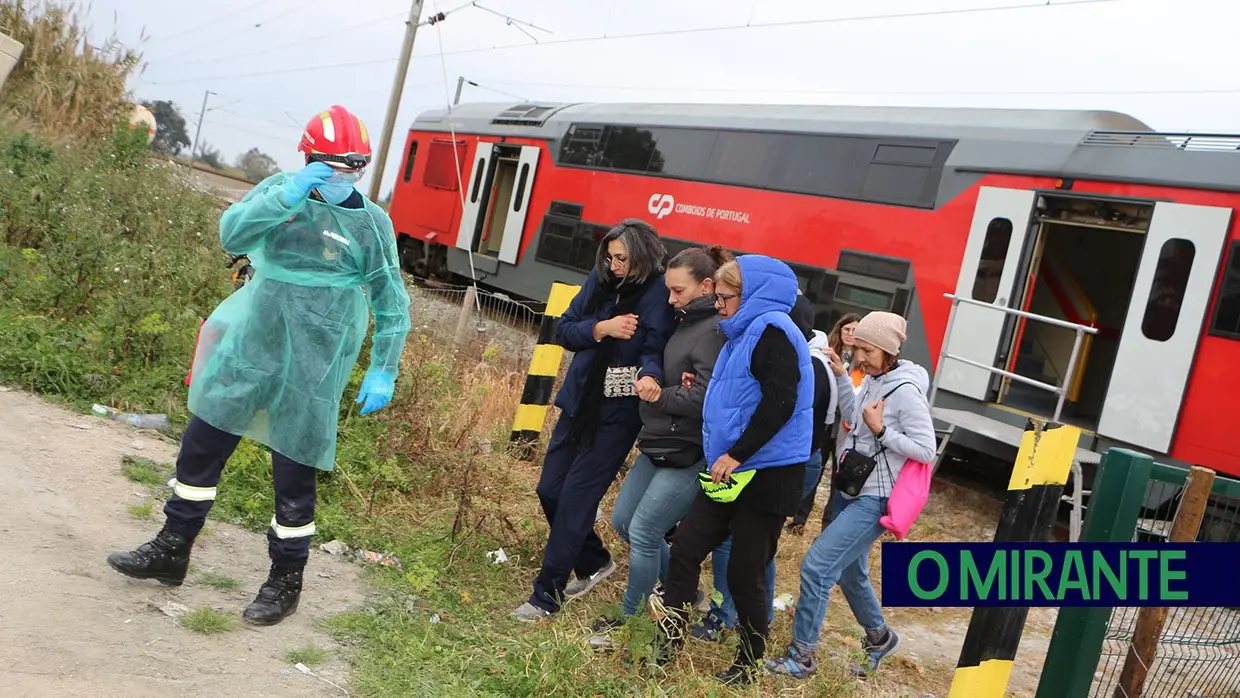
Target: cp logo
(661, 204)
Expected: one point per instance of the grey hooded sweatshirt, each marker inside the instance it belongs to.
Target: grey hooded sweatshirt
(910, 428)
(673, 424)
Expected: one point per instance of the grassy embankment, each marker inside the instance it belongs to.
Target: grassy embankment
(108, 262)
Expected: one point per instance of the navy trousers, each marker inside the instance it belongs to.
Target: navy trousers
(574, 480)
(200, 464)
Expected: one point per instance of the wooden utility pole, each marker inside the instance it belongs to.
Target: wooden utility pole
(1150, 621)
(398, 87)
(202, 114)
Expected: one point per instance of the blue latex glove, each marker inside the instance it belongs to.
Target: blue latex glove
(299, 187)
(376, 392)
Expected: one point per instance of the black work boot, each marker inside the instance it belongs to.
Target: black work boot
(164, 558)
(278, 597)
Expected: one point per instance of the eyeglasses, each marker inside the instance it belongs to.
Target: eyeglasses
(612, 261)
(723, 298)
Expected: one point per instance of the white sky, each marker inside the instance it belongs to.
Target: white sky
(1166, 63)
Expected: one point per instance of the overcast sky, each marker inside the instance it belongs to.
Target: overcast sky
(274, 63)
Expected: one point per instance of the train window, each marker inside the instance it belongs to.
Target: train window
(745, 158)
(629, 148)
(1226, 322)
(682, 152)
(865, 297)
(410, 158)
(873, 265)
(1162, 310)
(521, 181)
(442, 164)
(581, 145)
(994, 255)
(895, 171)
(894, 183)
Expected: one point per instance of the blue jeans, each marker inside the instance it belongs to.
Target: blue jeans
(841, 555)
(719, 558)
(651, 501)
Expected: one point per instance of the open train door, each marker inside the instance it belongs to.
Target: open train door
(988, 273)
(477, 190)
(518, 204)
(1163, 325)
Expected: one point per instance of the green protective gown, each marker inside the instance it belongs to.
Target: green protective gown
(274, 358)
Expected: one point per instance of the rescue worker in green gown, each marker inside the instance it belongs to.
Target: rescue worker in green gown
(273, 359)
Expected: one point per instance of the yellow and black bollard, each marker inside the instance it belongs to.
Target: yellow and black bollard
(544, 367)
(1039, 475)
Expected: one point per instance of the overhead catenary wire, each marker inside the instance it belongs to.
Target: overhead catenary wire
(199, 27)
(456, 157)
(300, 6)
(674, 32)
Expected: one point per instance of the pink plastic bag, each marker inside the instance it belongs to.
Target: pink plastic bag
(908, 497)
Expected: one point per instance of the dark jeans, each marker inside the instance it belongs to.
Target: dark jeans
(807, 504)
(574, 480)
(200, 464)
(755, 536)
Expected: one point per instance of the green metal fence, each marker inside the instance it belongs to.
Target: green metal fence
(1135, 499)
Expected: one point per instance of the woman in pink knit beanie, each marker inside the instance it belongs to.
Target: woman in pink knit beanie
(891, 424)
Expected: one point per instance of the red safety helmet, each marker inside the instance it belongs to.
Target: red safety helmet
(337, 137)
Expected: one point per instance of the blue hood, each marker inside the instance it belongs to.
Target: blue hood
(768, 285)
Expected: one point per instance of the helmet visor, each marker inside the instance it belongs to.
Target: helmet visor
(353, 161)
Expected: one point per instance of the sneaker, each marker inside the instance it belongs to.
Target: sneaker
(711, 629)
(701, 602)
(875, 652)
(580, 587)
(530, 613)
(737, 675)
(600, 639)
(795, 663)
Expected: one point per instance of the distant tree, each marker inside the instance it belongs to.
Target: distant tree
(256, 164)
(210, 156)
(170, 135)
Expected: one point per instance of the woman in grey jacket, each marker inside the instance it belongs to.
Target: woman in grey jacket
(890, 423)
(663, 482)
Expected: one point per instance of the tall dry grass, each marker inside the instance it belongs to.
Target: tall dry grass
(63, 84)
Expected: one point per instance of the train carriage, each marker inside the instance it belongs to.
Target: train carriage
(1077, 219)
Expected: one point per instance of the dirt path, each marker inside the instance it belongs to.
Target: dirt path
(72, 626)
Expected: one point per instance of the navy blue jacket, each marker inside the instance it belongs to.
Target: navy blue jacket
(575, 332)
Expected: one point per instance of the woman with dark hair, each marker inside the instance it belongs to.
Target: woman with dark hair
(757, 432)
(616, 327)
(663, 482)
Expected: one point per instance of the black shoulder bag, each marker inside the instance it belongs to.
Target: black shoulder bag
(854, 467)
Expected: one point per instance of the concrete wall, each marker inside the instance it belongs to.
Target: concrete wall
(10, 52)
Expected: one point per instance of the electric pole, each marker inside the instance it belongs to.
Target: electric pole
(398, 86)
(201, 115)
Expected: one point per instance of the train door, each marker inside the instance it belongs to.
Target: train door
(496, 202)
(989, 273)
(1163, 324)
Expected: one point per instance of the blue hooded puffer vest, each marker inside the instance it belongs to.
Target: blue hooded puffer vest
(769, 290)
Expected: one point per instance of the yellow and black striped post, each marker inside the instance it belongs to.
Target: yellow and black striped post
(1039, 475)
(544, 367)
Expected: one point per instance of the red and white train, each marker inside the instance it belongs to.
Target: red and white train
(1085, 216)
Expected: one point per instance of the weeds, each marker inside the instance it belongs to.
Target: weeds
(218, 581)
(144, 471)
(144, 511)
(208, 621)
(310, 655)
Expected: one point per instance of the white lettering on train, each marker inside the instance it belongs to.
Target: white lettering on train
(663, 204)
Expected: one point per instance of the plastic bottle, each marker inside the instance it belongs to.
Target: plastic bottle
(139, 421)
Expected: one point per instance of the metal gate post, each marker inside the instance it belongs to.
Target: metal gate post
(1038, 479)
(544, 367)
(1076, 645)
